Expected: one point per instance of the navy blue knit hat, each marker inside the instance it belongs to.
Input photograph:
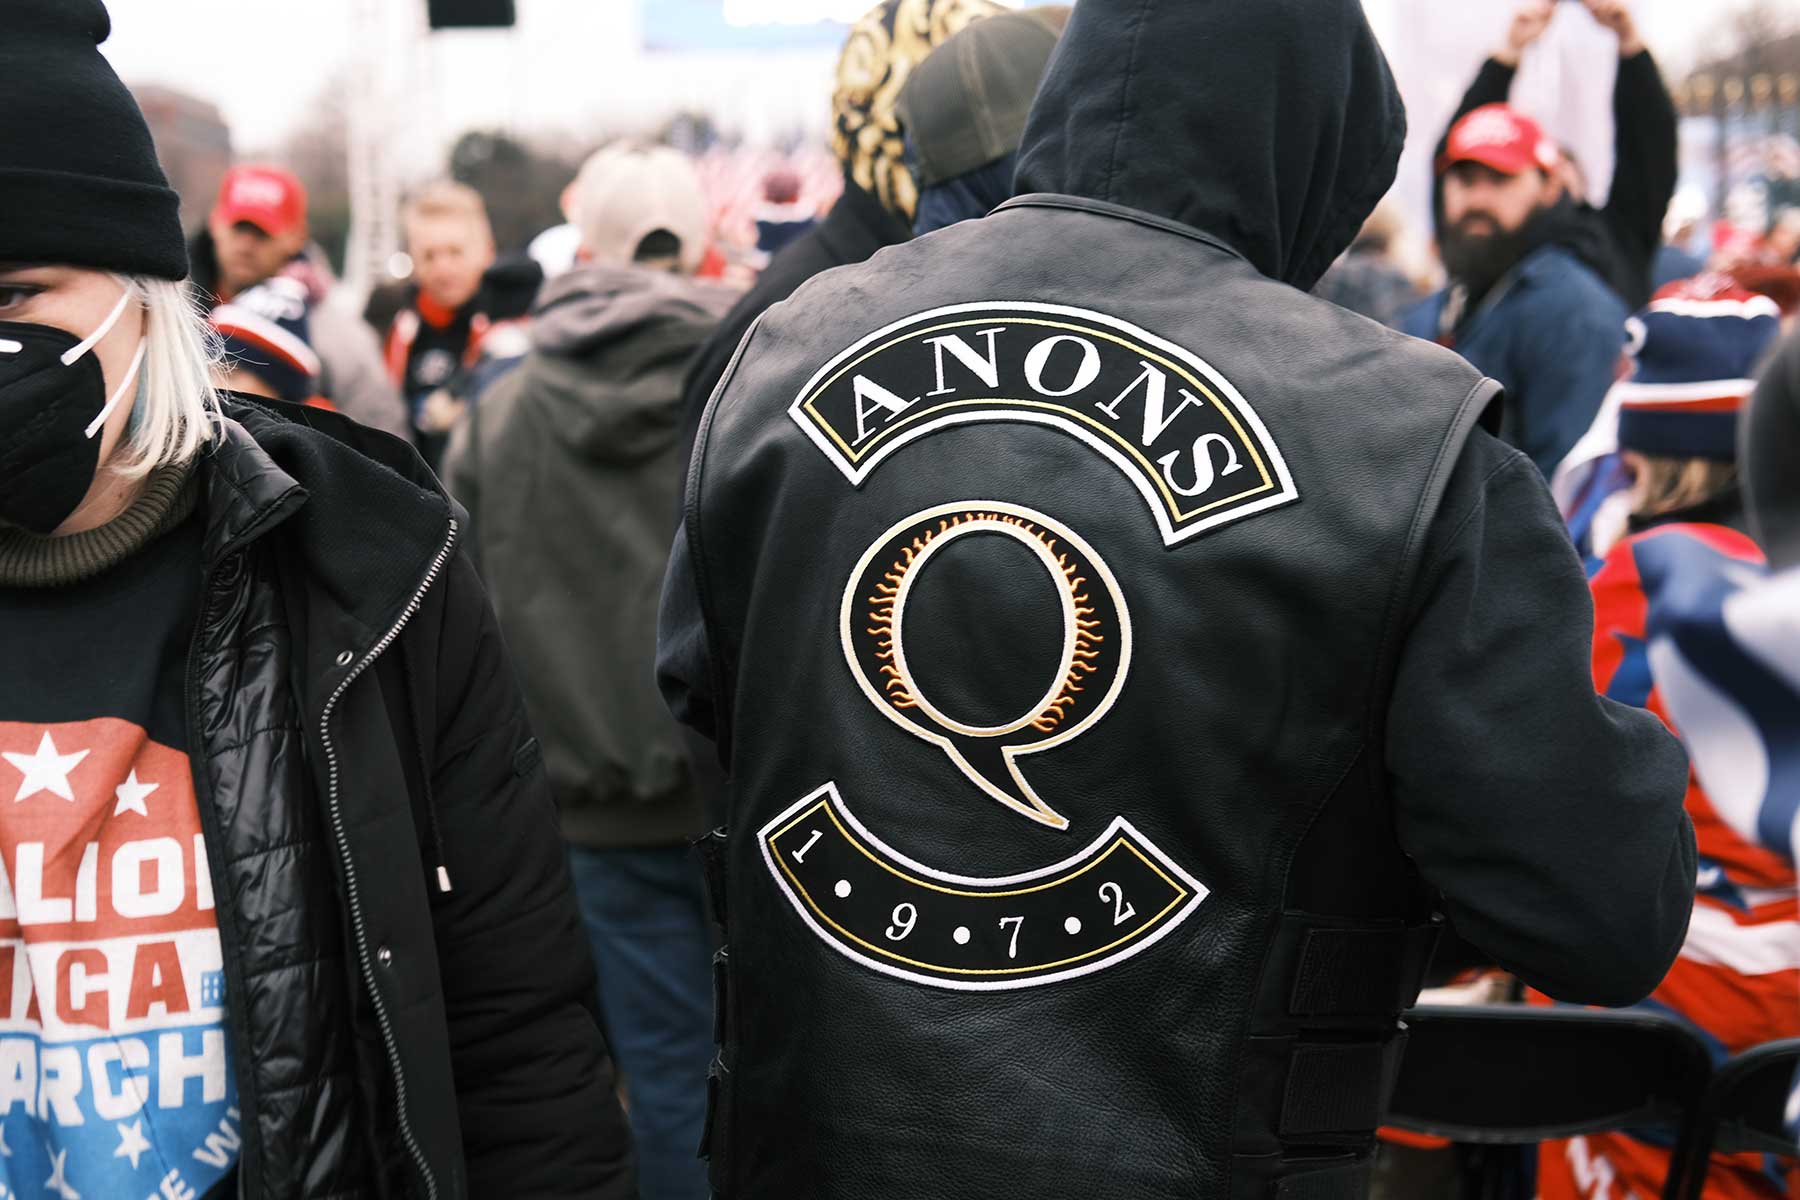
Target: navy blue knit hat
(266, 331)
(79, 180)
(1695, 350)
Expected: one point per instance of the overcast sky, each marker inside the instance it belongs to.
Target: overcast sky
(570, 64)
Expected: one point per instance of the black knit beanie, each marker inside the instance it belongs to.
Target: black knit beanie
(79, 180)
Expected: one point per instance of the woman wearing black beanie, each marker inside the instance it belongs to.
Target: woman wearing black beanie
(284, 909)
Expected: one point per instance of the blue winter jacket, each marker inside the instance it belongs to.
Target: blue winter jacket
(1551, 332)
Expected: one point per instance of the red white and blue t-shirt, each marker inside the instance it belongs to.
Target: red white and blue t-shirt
(115, 1063)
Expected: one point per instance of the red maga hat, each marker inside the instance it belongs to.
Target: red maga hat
(1500, 137)
(269, 198)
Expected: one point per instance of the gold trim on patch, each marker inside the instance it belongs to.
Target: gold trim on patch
(1235, 421)
(1124, 443)
(1115, 898)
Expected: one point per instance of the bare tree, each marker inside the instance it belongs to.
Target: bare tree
(1758, 37)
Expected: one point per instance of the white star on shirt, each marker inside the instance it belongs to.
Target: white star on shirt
(132, 1142)
(131, 795)
(45, 771)
(56, 1182)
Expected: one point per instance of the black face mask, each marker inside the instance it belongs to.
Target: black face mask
(53, 404)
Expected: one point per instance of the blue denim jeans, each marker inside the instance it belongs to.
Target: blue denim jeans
(645, 914)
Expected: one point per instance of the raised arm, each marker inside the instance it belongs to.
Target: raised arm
(1644, 141)
(1493, 82)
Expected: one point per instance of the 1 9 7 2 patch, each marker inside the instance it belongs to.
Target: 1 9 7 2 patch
(1115, 898)
(1184, 436)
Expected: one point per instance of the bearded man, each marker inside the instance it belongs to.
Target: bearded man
(1522, 306)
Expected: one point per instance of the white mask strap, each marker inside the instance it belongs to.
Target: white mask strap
(112, 402)
(70, 358)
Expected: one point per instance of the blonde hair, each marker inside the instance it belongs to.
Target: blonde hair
(176, 412)
(1667, 485)
(447, 198)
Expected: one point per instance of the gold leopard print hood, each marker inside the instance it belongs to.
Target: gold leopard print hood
(883, 47)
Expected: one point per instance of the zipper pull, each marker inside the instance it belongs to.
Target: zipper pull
(443, 876)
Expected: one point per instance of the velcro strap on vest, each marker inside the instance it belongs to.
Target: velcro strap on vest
(1338, 1183)
(710, 849)
(1347, 972)
(721, 992)
(715, 1084)
(1338, 1087)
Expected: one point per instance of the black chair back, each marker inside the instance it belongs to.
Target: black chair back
(1518, 1074)
(1743, 1110)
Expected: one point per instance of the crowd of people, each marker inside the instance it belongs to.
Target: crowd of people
(498, 737)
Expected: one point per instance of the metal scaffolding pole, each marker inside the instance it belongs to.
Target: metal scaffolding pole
(387, 42)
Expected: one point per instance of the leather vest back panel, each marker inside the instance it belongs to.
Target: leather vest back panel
(1054, 565)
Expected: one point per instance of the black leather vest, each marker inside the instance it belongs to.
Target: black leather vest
(1054, 568)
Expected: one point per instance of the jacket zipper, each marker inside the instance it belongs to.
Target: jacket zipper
(337, 824)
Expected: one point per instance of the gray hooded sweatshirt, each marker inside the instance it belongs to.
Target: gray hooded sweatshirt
(570, 466)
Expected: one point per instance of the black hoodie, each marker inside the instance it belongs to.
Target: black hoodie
(1275, 126)
(1150, 941)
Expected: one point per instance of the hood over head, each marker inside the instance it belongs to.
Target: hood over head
(609, 346)
(1275, 126)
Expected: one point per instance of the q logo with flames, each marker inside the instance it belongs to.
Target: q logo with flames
(1095, 652)
(1113, 899)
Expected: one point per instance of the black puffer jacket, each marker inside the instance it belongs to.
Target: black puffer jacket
(410, 997)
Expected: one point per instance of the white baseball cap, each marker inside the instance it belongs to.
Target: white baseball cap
(626, 191)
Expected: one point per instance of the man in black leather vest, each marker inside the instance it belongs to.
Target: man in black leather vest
(1122, 660)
